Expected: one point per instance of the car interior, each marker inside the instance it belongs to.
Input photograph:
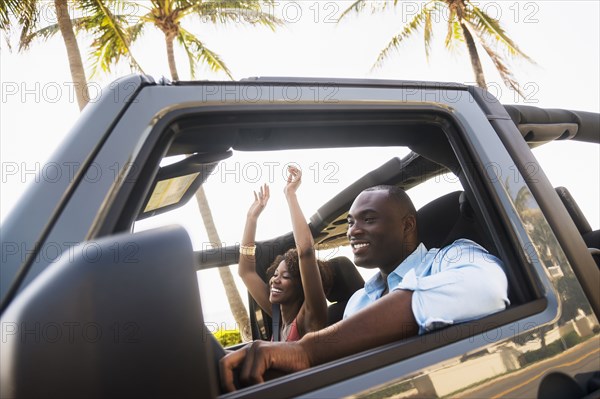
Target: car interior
(435, 149)
(435, 146)
(428, 135)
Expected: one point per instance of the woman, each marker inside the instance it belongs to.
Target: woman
(297, 278)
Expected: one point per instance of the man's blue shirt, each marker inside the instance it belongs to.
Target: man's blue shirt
(457, 283)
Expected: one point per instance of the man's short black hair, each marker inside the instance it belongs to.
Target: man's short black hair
(398, 194)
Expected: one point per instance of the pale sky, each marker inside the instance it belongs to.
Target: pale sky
(37, 107)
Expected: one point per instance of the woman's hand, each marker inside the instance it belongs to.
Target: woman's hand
(293, 181)
(260, 202)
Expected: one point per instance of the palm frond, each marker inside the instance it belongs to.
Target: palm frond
(409, 29)
(107, 49)
(454, 32)
(230, 11)
(357, 7)
(8, 9)
(427, 34)
(253, 17)
(505, 73)
(28, 20)
(86, 23)
(135, 31)
(111, 36)
(490, 27)
(161, 5)
(191, 58)
(198, 52)
(40, 34)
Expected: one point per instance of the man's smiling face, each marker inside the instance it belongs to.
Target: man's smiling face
(377, 230)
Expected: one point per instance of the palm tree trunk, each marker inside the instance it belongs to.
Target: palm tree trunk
(75, 62)
(475, 61)
(233, 296)
(169, 37)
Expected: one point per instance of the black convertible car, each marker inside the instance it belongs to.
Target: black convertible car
(92, 307)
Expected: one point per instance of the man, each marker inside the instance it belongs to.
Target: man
(416, 290)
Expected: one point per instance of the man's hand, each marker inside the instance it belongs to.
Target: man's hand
(387, 320)
(258, 357)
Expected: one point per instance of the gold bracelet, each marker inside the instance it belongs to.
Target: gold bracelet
(247, 250)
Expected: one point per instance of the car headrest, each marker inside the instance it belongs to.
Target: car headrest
(346, 279)
(436, 219)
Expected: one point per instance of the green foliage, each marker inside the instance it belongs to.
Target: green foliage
(466, 23)
(109, 30)
(556, 347)
(572, 339)
(116, 24)
(228, 337)
(533, 356)
(9, 8)
(572, 296)
(169, 17)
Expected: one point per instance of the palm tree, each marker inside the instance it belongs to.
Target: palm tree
(236, 305)
(112, 39)
(466, 23)
(97, 17)
(9, 8)
(167, 16)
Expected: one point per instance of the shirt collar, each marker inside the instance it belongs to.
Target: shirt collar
(375, 285)
(412, 261)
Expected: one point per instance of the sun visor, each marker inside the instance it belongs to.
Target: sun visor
(175, 184)
(441, 153)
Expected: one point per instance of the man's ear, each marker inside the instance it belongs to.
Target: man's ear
(410, 224)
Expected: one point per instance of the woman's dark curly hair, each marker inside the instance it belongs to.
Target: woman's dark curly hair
(293, 265)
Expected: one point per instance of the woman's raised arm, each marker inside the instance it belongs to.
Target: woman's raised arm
(247, 264)
(313, 314)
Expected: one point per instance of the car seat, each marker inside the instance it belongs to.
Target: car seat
(346, 280)
(448, 218)
(436, 219)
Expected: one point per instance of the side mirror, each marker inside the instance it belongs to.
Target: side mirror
(120, 316)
